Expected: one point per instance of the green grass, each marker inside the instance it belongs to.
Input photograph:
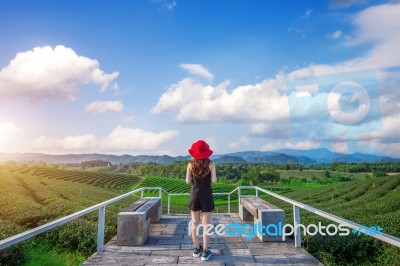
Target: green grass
(44, 253)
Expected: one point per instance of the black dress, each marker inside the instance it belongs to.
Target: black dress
(201, 198)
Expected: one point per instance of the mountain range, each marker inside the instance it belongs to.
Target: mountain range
(282, 156)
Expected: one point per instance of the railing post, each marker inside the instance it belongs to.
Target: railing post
(256, 192)
(142, 193)
(100, 229)
(160, 195)
(239, 192)
(229, 203)
(169, 202)
(297, 234)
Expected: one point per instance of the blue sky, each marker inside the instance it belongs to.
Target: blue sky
(151, 77)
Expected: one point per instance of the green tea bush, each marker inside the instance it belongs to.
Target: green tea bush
(341, 249)
(79, 235)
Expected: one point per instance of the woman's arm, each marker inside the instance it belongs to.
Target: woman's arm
(188, 175)
(213, 174)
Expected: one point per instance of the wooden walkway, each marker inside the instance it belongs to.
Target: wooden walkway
(170, 244)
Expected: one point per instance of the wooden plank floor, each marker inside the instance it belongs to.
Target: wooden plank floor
(170, 244)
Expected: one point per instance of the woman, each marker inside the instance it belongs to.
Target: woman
(201, 173)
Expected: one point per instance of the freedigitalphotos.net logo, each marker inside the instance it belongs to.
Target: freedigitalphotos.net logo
(278, 230)
(334, 104)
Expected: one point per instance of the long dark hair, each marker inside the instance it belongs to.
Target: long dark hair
(200, 168)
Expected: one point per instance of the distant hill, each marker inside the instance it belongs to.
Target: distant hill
(77, 158)
(282, 156)
(230, 159)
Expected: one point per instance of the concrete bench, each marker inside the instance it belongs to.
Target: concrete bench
(252, 208)
(133, 224)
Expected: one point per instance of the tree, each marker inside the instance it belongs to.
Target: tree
(270, 176)
(327, 174)
(379, 173)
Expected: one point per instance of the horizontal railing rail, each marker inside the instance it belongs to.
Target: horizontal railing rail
(101, 219)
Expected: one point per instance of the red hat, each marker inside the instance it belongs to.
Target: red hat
(200, 150)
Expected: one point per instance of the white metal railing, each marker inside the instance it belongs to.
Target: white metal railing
(100, 234)
(101, 208)
(296, 217)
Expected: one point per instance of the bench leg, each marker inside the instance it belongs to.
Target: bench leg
(244, 214)
(132, 228)
(156, 216)
(273, 220)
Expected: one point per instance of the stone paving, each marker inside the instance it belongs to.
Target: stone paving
(170, 244)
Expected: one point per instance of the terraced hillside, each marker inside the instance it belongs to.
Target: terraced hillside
(101, 179)
(370, 202)
(32, 196)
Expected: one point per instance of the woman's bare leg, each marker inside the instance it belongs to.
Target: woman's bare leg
(195, 223)
(206, 220)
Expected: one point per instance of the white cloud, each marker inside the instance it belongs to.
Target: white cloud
(68, 143)
(302, 145)
(389, 98)
(170, 5)
(47, 73)
(375, 26)
(129, 119)
(7, 128)
(197, 102)
(336, 35)
(121, 139)
(385, 149)
(390, 132)
(240, 143)
(115, 86)
(308, 13)
(197, 69)
(177, 94)
(103, 107)
(346, 3)
(379, 25)
(167, 4)
(7, 134)
(340, 147)
(134, 139)
(212, 142)
(259, 128)
(275, 130)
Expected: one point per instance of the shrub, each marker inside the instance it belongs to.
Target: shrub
(78, 235)
(13, 255)
(379, 173)
(342, 249)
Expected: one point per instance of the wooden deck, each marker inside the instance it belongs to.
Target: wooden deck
(170, 244)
